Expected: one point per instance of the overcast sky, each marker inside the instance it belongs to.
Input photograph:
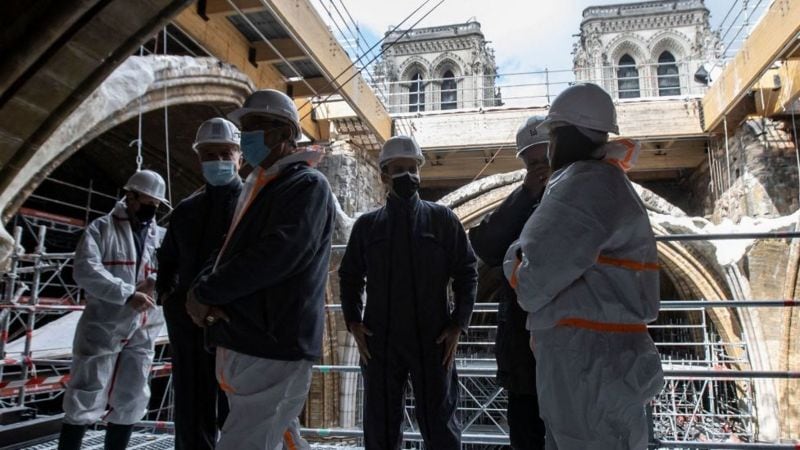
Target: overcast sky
(526, 34)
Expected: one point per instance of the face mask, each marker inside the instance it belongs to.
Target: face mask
(145, 213)
(219, 173)
(254, 150)
(405, 184)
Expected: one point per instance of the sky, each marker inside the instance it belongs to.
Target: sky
(527, 35)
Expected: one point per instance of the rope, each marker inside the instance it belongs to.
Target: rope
(166, 129)
(138, 140)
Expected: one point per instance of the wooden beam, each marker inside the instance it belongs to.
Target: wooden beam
(774, 33)
(223, 8)
(287, 48)
(319, 86)
(771, 98)
(224, 41)
(312, 34)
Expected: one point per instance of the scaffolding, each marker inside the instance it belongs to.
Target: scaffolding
(707, 401)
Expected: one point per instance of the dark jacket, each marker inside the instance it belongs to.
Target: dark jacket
(516, 368)
(197, 227)
(438, 252)
(272, 276)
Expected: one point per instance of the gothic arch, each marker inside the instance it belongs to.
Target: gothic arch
(631, 44)
(413, 65)
(149, 83)
(672, 41)
(448, 61)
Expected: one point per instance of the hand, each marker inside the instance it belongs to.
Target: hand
(360, 333)
(141, 302)
(196, 310)
(147, 286)
(216, 314)
(450, 339)
(536, 179)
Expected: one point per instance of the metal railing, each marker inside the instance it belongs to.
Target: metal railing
(536, 88)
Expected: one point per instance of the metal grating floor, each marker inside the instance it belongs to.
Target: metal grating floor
(139, 441)
(144, 441)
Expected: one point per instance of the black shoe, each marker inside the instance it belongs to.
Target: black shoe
(117, 436)
(71, 436)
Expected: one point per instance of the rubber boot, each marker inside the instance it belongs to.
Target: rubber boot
(71, 436)
(117, 436)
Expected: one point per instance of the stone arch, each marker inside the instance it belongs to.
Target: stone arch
(448, 61)
(631, 44)
(672, 41)
(692, 266)
(147, 83)
(413, 65)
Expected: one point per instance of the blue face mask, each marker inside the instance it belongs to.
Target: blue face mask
(219, 173)
(254, 149)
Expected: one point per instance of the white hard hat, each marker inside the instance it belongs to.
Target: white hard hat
(269, 103)
(217, 131)
(528, 135)
(400, 147)
(149, 183)
(584, 105)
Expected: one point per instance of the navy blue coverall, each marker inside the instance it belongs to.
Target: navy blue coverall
(406, 254)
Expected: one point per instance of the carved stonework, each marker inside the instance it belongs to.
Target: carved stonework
(646, 32)
(460, 49)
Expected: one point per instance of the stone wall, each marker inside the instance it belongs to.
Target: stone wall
(762, 164)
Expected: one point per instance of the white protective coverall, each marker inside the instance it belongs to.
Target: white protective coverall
(114, 344)
(588, 277)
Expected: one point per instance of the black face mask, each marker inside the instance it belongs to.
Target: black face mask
(405, 185)
(568, 145)
(145, 213)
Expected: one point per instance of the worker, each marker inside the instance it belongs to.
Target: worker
(405, 254)
(114, 341)
(586, 271)
(197, 227)
(516, 367)
(262, 300)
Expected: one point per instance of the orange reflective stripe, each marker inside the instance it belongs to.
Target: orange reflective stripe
(289, 440)
(603, 326)
(628, 264)
(223, 384)
(514, 281)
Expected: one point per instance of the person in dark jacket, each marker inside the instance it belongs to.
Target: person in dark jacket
(516, 367)
(197, 227)
(262, 302)
(406, 254)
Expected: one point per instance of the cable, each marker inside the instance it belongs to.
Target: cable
(358, 72)
(138, 141)
(346, 69)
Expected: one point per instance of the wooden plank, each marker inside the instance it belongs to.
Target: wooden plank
(319, 86)
(224, 41)
(287, 48)
(223, 8)
(776, 30)
(777, 98)
(302, 21)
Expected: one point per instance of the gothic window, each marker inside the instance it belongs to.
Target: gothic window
(449, 92)
(416, 94)
(627, 77)
(668, 80)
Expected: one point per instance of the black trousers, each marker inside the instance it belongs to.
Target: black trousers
(435, 394)
(526, 428)
(200, 405)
